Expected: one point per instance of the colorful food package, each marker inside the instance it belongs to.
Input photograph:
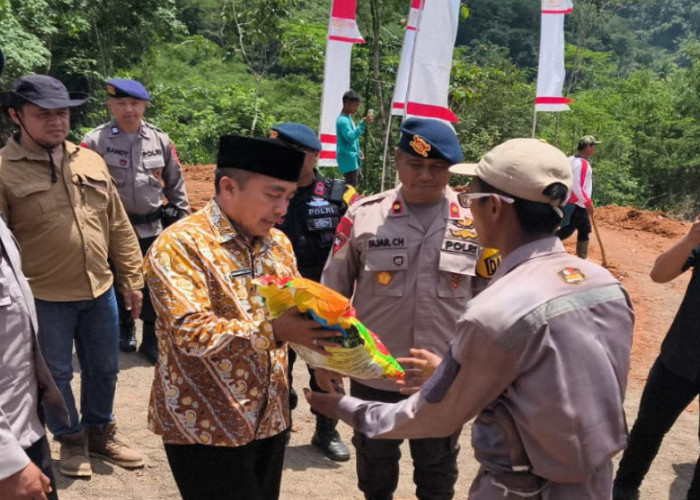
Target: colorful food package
(359, 353)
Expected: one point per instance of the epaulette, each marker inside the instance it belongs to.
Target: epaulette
(370, 200)
(149, 125)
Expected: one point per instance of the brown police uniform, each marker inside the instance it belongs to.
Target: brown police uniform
(409, 284)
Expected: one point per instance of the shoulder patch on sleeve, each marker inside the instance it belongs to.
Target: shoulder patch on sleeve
(436, 387)
(342, 235)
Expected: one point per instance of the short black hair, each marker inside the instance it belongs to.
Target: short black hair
(350, 96)
(241, 177)
(535, 218)
(583, 145)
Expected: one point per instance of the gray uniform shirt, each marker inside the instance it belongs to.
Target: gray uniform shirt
(23, 372)
(408, 284)
(548, 340)
(145, 169)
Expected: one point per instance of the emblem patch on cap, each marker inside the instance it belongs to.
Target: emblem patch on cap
(572, 275)
(111, 90)
(273, 134)
(420, 146)
(384, 278)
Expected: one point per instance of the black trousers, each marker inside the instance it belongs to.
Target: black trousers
(148, 314)
(580, 221)
(664, 397)
(249, 472)
(434, 459)
(40, 454)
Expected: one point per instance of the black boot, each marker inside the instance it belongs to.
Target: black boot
(327, 439)
(127, 340)
(149, 344)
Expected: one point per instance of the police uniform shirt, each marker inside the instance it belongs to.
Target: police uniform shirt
(408, 284)
(310, 224)
(145, 169)
(548, 340)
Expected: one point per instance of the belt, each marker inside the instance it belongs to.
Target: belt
(148, 218)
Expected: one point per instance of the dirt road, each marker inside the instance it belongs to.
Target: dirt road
(632, 241)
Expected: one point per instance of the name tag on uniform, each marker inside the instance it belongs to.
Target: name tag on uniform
(395, 242)
(240, 272)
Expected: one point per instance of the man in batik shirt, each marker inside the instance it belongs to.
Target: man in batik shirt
(220, 396)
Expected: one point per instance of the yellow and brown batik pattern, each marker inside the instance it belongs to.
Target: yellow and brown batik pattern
(221, 376)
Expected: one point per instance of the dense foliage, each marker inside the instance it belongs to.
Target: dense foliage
(239, 66)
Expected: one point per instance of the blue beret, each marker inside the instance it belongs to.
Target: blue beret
(123, 87)
(298, 134)
(428, 138)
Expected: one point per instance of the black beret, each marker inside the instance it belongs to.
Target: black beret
(263, 156)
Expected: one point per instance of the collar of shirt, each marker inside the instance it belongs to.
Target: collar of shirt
(14, 151)
(226, 231)
(533, 250)
(399, 207)
(114, 129)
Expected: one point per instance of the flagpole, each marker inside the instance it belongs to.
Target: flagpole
(387, 133)
(534, 123)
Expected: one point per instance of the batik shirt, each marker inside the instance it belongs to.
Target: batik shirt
(221, 375)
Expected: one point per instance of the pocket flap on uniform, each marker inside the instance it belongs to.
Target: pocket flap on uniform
(386, 260)
(93, 181)
(151, 163)
(22, 189)
(458, 263)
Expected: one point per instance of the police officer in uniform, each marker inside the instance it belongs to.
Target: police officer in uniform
(310, 223)
(145, 167)
(408, 259)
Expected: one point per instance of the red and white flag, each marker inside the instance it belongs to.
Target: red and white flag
(398, 101)
(342, 34)
(551, 72)
(432, 31)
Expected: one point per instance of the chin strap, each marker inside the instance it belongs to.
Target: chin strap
(48, 148)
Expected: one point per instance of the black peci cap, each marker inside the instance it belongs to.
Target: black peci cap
(263, 156)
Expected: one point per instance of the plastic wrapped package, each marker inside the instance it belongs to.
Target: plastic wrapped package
(359, 354)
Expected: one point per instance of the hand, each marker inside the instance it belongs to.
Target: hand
(329, 381)
(369, 118)
(133, 300)
(693, 235)
(419, 367)
(589, 209)
(325, 404)
(28, 483)
(294, 327)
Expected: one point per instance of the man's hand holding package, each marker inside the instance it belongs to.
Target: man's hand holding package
(293, 326)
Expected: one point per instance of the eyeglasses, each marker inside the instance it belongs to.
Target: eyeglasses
(465, 199)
